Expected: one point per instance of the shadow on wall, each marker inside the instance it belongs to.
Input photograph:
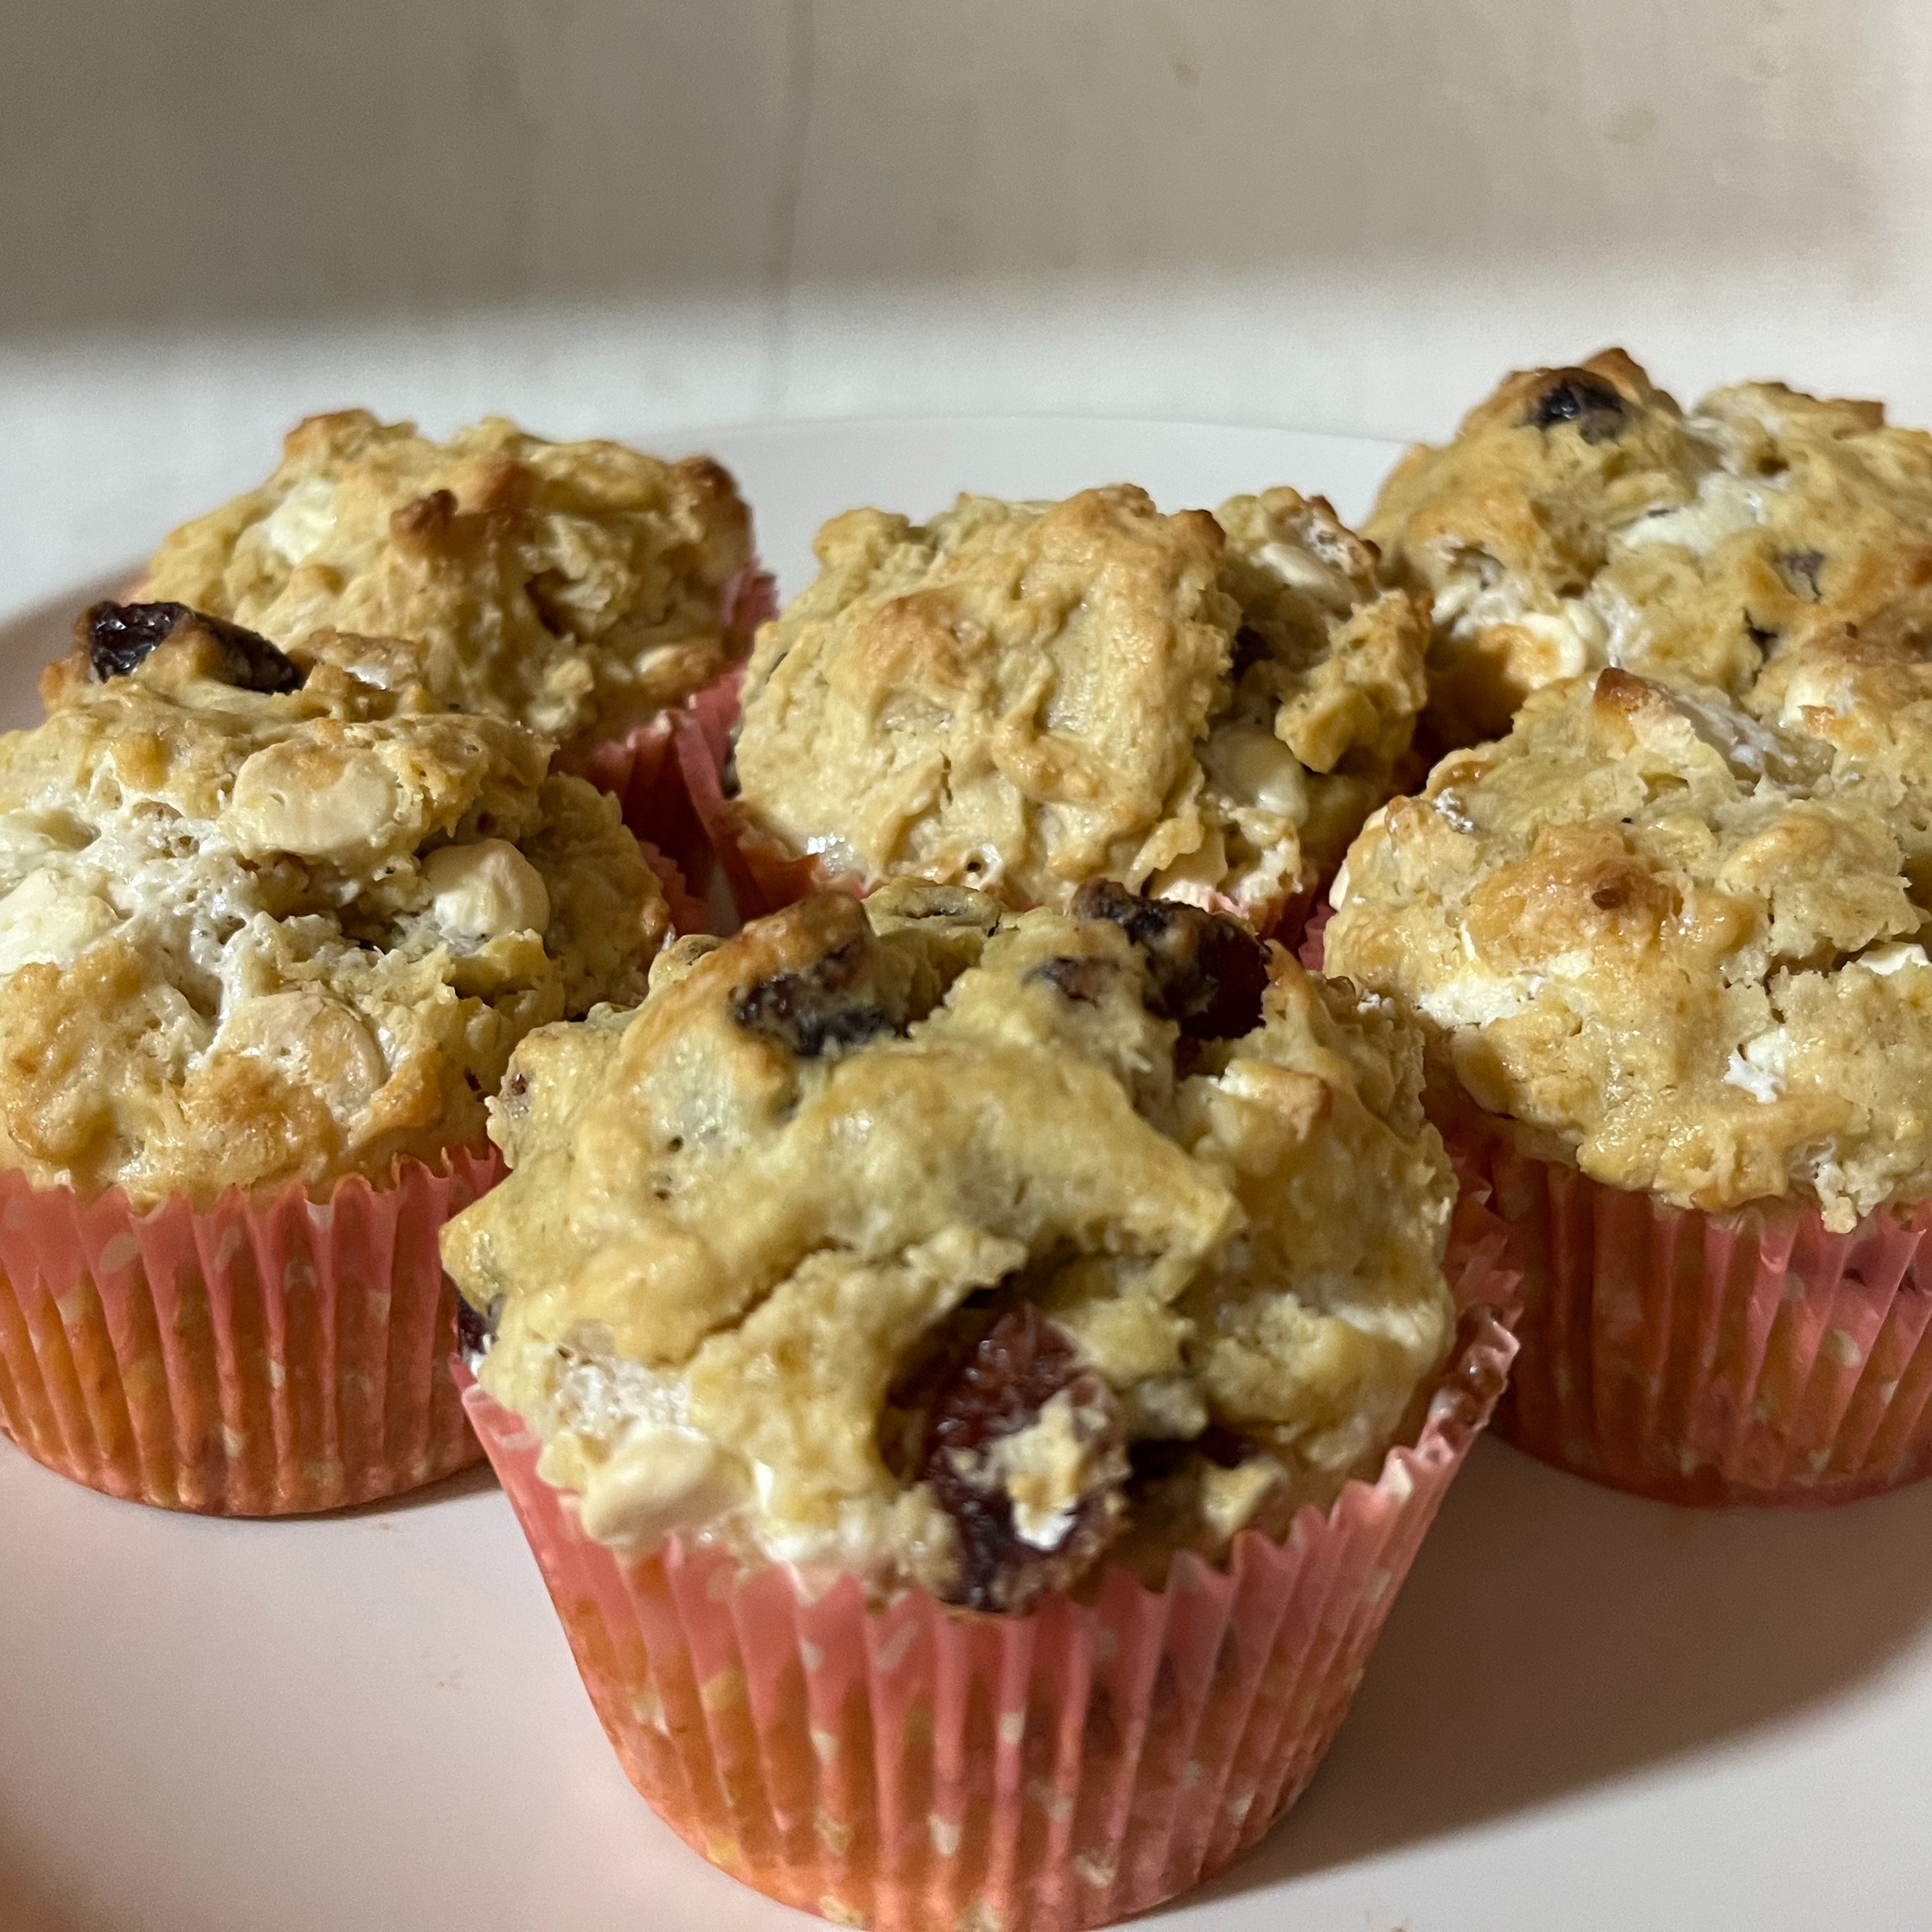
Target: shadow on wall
(1554, 1636)
(225, 163)
(32, 1900)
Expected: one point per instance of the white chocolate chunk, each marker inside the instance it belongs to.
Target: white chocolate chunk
(310, 800)
(484, 890)
(50, 918)
(315, 1041)
(300, 523)
(1252, 764)
(657, 1481)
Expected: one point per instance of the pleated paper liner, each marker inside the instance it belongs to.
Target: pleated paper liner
(1751, 1357)
(643, 769)
(916, 1766)
(268, 1356)
(688, 912)
(1313, 950)
(763, 876)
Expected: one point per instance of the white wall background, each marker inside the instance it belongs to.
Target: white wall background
(632, 216)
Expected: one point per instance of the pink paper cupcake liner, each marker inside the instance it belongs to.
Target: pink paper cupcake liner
(688, 912)
(1750, 1357)
(751, 599)
(917, 1766)
(643, 769)
(1313, 949)
(267, 1356)
(763, 876)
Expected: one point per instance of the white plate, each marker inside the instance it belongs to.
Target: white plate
(1588, 1711)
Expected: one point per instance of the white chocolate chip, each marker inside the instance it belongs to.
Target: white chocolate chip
(311, 800)
(483, 890)
(300, 524)
(1252, 765)
(50, 918)
(312, 1042)
(1723, 506)
(657, 1481)
(1301, 570)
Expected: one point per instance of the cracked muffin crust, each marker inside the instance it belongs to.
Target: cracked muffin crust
(1869, 702)
(259, 924)
(940, 1245)
(1682, 947)
(575, 588)
(1019, 697)
(1580, 519)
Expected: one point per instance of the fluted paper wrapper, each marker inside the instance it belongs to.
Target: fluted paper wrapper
(764, 876)
(268, 1356)
(646, 772)
(1751, 1357)
(917, 1766)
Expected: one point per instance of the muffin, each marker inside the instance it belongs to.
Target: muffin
(1671, 959)
(583, 589)
(910, 1340)
(267, 936)
(1020, 697)
(1580, 519)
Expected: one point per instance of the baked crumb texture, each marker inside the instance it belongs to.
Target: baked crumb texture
(263, 923)
(1580, 519)
(1681, 941)
(1020, 696)
(936, 1244)
(576, 588)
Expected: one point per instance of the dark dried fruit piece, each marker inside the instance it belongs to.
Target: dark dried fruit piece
(1082, 980)
(1205, 972)
(1577, 396)
(819, 1006)
(476, 1329)
(119, 637)
(1800, 568)
(993, 1391)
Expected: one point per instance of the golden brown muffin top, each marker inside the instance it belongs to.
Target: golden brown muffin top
(576, 588)
(1580, 519)
(1869, 701)
(1677, 942)
(942, 1245)
(1019, 697)
(259, 924)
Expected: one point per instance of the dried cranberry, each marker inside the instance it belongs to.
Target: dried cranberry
(1082, 980)
(476, 1329)
(1205, 972)
(996, 1388)
(816, 1008)
(1577, 396)
(119, 637)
